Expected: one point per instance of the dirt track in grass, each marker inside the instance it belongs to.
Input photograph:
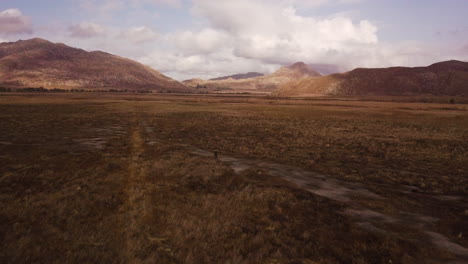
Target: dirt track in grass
(352, 195)
(115, 179)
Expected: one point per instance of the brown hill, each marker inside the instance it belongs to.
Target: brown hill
(267, 83)
(298, 70)
(444, 78)
(194, 82)
(40, 63)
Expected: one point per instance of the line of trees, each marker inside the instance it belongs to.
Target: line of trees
(57, 90)
(5, 90)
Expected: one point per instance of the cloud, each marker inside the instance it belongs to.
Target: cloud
(205, 41)
(138, 34)
(260, 35)
(230, 36)
(234, 36)
(216, 64)
(12, 21)
(86, 30)
(259, 32)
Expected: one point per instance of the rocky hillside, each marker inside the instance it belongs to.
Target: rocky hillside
(445, 78)
(298, 70)
(267, 83)
(40, 63)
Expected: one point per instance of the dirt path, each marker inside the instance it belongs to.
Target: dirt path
(137, 204)
(353, 196)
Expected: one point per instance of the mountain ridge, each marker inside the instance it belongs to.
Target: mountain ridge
(266, 83)
(442, 78)
(41, 63)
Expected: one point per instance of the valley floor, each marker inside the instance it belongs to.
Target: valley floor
(133, 179)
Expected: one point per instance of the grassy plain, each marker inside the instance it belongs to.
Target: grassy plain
(88, 178)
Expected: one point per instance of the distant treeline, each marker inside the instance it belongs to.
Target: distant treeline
(57, 90)
(5, 90)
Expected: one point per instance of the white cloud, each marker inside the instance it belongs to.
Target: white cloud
(261, 35)
(12, 21)
(86, 30)
(206, 66)
(242, 35)
(235, 36)
(139, 34)
(205, 41)
(259, 32)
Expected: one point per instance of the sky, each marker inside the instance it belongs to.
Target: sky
(209, 38)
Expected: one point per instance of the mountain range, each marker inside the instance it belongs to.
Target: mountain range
(443, 78)
(266, 83)
(40, 63)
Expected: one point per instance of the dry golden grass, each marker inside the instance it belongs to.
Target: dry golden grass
(111, 180)
(407, 143)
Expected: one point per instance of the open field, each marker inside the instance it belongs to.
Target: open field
(115, 178)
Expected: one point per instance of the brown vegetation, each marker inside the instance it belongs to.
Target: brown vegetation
(112, 179)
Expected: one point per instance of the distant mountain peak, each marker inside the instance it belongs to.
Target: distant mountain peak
(36, 40)
(297, 65)
(257, 82)
(297, 70)
(450, 64)
(447, 78)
